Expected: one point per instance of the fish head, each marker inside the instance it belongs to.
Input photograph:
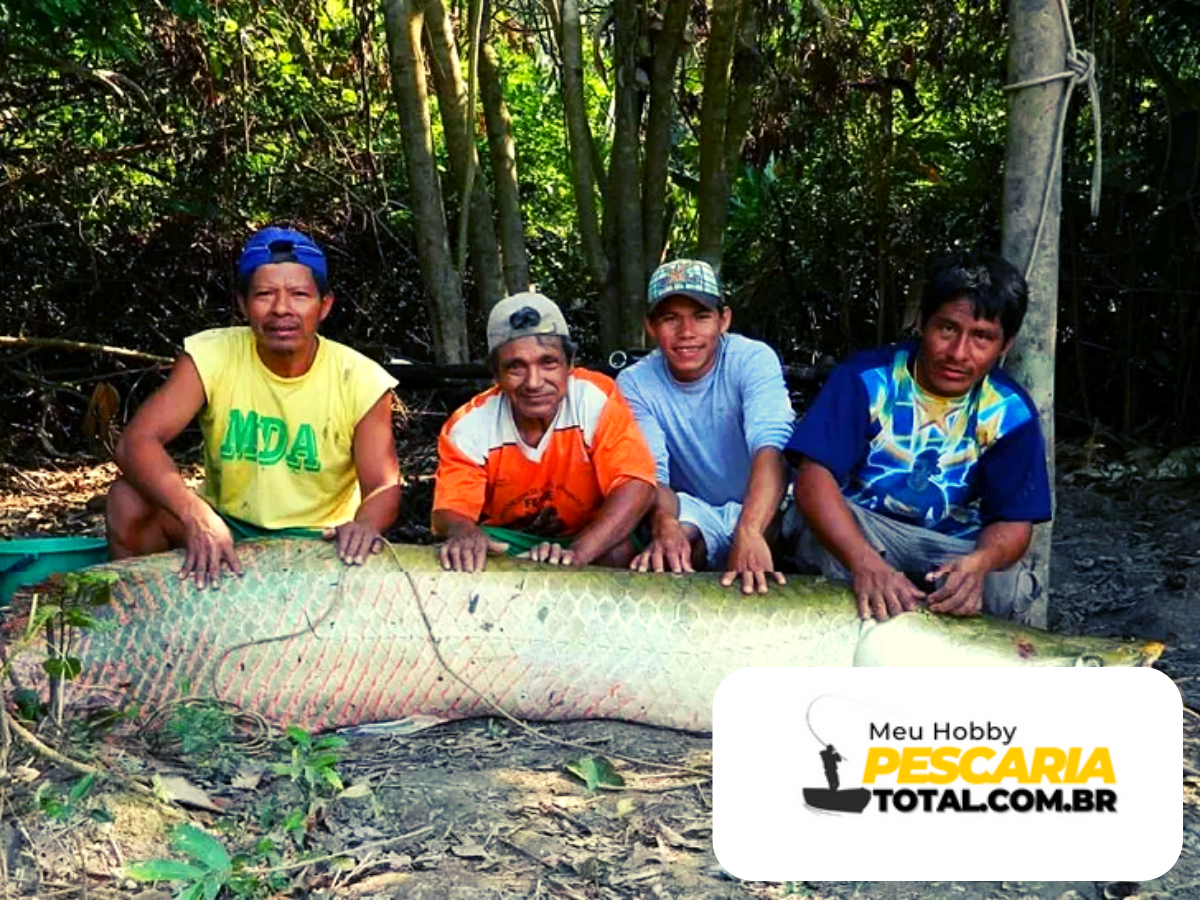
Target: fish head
(922, 638)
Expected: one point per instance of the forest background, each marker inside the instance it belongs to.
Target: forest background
(141, 141)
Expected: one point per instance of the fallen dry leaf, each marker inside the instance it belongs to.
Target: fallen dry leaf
(248, 778)
(184, 792)
(676, 839)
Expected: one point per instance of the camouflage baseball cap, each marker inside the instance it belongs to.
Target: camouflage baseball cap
(690, 277)
(524, 315)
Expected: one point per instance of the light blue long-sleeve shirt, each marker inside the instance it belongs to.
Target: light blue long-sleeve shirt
(704, 434)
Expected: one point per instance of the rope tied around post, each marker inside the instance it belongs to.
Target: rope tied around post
(1081, 70)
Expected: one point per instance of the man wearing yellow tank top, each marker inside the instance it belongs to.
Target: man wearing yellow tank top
(297, 428)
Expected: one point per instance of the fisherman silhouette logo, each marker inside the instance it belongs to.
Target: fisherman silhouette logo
(1075, 770)
(832, 799)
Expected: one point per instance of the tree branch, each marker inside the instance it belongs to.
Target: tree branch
(63, 344)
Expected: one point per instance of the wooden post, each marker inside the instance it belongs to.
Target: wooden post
(1038, 48)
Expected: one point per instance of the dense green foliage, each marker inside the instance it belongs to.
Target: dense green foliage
(141, 141)
(157, 136)
(887, 147)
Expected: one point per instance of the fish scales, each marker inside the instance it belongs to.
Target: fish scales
(301, 639)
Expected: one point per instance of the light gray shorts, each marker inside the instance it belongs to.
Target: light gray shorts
(715, 523)
(1007, 594)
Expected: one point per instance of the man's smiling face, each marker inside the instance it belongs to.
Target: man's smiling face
(689, 334)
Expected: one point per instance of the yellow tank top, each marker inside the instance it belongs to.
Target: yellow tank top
(278, 452)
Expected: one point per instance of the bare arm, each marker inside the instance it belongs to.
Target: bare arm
(144, 461)
(749, 555)
(379, 482)
(618, 515)
(666, 505)
(880, 590)
(142, 451)
(999, 545)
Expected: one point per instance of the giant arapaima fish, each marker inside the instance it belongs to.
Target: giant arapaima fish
(302, 639)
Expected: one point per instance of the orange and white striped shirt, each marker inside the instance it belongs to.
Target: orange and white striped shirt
(487, 473)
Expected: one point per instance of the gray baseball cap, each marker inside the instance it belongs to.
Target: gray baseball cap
(524, 315)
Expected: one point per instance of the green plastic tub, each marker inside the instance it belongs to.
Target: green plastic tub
(30, 560)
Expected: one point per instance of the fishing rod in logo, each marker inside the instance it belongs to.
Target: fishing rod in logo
(833, 798)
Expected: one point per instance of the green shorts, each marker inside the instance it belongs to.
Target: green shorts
(522, 541)
(248, 531)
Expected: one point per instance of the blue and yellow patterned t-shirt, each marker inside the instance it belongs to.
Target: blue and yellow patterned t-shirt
(951, 465)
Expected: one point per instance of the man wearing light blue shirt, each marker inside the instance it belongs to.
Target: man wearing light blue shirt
(715, 411)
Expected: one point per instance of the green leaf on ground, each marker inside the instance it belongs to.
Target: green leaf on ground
(323, 760)
(595, 772)
(294, 821)
(29, 704)
(299, 736)
(332, 779)
(163, 870)
(82, 788)
(203, 848)
(69, 667)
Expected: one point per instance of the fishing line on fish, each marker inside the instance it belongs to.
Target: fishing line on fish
(310, 627)
(501, 711)
(253, 732)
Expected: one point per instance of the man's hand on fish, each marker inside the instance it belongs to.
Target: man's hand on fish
(669, 551)
(961, 594)
(750, 560)
(208, 544)
(468, 548)
(882, 592)
(554, 554)
(355, 541)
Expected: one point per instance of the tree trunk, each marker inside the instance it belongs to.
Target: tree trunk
(714, 115)
(660, 119)
(626, 180)
(1038, 48)
(404, 22)
(460, 147)
(579, 136)
(746, 72)
(610, 306)
(504, 172)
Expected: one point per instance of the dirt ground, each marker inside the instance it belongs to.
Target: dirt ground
(486, 809)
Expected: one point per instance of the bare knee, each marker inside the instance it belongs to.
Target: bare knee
(136, 526)
(618, 557)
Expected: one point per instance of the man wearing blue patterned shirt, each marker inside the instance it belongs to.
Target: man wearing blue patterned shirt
(922, 467)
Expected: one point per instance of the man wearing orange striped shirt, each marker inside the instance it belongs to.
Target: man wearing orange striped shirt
(549, 462)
